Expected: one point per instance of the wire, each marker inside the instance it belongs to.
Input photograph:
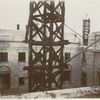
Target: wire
(82, 50)
(73, 30)
(70, 27)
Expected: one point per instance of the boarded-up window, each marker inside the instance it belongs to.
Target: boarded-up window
(21, 57)
(3, 57)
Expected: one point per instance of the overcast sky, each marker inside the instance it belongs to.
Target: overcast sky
(14, 12)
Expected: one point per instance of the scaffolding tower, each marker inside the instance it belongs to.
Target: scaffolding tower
(45, 36)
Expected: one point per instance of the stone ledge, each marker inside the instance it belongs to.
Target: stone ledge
(65, 93)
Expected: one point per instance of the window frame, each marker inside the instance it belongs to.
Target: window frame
(67, 55)
(21, 81)
(21, 59)
(2, 58)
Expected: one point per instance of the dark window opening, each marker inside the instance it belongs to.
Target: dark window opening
(3, 57)
(21, 81)
(99, 77)
(67, 55)
(84, 79)
(21, 57)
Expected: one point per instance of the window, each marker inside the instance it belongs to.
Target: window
(98, 77)
(67, 55)
(21, 81)
(3, 57)
(21, 57)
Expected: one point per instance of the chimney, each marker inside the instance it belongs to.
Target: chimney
(18, 27)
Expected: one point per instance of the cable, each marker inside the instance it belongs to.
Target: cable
(73, 30)
(82, 50)
(70, 27)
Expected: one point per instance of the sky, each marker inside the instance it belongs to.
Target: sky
(13, 12)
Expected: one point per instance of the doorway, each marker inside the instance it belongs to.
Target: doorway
(4, 77)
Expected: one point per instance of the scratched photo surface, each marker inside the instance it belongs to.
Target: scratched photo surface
(49, 49)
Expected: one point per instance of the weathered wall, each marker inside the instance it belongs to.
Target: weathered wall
(74, 48)
(93, 60)
(13, 49)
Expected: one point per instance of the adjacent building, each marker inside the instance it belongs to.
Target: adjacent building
(13, 57)
(92, 56)
(73, 48)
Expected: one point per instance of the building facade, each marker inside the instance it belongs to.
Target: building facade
(13, 57)
(85, 70)
(92, 61)
(73, 48)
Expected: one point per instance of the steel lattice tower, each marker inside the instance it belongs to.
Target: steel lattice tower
(45, 35)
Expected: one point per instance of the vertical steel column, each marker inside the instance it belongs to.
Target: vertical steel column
(30, 50)
(51, 44)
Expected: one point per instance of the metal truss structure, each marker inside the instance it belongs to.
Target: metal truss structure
(45, 35)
